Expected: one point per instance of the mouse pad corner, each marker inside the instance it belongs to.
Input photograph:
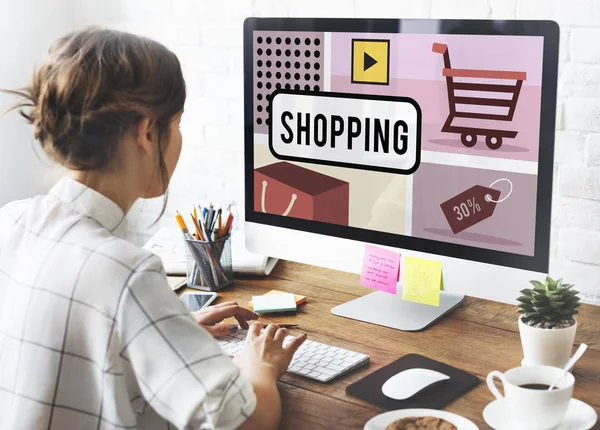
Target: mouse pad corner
(434, 397)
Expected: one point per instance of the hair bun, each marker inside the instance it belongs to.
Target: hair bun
(95, 85)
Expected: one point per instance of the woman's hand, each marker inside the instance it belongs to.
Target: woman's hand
(264, 355)
(210, 318)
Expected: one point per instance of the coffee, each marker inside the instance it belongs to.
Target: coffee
(536, 386)
(528, 401)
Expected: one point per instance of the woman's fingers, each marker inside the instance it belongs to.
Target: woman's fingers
(220, 305)
(271, 330)
(254, 331)
(294, 344)
(280, 335)
(216, 315)
(219, 330)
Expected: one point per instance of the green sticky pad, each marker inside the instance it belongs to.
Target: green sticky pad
(274, 303)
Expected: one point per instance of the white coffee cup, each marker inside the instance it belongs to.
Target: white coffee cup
(529, 408)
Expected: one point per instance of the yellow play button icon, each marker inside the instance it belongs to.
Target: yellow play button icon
(370, 61)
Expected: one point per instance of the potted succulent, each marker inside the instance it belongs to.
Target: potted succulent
(547, 323)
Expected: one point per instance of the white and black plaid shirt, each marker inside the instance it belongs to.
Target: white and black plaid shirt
(91, 335)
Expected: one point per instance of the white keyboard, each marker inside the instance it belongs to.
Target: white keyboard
(313, 360)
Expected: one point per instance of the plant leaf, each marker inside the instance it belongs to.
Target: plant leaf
(526, 308)
(524, 299)
(557, 305)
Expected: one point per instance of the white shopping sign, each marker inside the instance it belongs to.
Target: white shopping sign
(380, 133)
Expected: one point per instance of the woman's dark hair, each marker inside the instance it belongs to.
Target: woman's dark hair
(95, 85)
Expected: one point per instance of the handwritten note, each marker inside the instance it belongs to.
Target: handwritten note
(422, 280)
(380, 269)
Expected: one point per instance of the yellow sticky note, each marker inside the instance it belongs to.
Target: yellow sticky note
(421, 281)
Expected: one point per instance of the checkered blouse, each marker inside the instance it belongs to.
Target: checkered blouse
(91, 336)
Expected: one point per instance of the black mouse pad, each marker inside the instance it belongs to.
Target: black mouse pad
(435, 396)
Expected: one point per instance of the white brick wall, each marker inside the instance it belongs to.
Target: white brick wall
(207, 36)
(580, 246)
(593, 150)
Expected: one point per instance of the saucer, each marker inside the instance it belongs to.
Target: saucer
(381, 421)
(579, 416)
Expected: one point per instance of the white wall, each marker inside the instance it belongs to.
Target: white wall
(207, 36)
(26, 29)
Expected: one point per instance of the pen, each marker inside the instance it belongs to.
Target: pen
(217, 222)
(209, 218)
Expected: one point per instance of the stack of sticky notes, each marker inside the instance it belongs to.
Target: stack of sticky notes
(276, 301)
(422, 281)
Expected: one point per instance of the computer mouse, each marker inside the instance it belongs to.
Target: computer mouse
(409, 382)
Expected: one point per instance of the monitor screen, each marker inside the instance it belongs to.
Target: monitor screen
(418, 138)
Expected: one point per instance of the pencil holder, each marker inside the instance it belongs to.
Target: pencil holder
(209, 265)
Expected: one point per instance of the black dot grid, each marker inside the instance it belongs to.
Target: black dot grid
(278, 52)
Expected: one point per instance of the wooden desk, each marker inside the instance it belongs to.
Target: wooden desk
(479, 337)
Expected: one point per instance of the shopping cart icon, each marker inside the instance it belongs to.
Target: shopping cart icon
(482, 81)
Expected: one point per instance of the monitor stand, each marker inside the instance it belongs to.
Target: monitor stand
(391, 311)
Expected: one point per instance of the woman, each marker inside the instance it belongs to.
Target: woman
(91, 335)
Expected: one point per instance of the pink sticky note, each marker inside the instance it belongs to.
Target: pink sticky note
(380, 269)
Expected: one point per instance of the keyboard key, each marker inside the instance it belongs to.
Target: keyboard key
(335, 367)
(312, 360)
(325, 371)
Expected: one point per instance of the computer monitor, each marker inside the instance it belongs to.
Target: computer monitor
(433, 138)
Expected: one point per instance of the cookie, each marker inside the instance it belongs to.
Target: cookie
(421, 423)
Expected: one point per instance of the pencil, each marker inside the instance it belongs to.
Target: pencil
(197, 227)
(219, 223)
(203, 229)
(224, 227)
(229, 225)
(182, 226)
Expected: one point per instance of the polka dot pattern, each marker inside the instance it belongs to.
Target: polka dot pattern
(291, 61)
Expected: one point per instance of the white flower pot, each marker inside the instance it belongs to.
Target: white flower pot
(547, 347)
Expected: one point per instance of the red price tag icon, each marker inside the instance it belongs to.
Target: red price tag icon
(471, 206)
